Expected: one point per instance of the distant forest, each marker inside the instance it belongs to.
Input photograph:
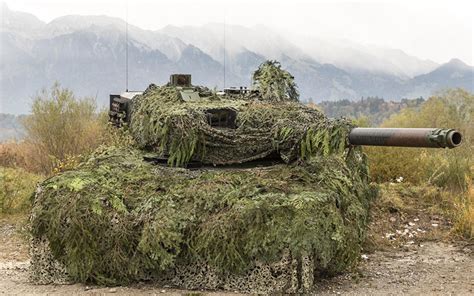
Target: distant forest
(11, 127)
(374, 109)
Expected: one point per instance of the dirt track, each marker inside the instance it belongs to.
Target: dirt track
(433, 268)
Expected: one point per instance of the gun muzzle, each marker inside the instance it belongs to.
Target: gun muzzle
(406, 137)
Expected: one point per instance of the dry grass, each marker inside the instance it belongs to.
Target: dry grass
(404, 207)
(464, 214)
(25, 155)
(446, 175)
(16, 188)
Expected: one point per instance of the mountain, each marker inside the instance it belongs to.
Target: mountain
(214, 38)
(354, 57)
(20, 23)
(455, 73)
(149, 40)
(259, 39)
(87, 54)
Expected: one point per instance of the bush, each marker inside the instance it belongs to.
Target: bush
(451, 170)
(446, 168)
(16, 187)
(62, 126)
(23, 155)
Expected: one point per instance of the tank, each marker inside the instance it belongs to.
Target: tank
(244, 189)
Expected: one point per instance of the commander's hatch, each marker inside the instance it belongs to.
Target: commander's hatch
(189, 94)
(183, 83)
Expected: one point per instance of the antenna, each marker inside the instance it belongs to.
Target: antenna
(224, 45)
(126, 45)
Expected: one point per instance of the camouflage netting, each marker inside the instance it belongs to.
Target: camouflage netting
(117, 219)
(163, 121)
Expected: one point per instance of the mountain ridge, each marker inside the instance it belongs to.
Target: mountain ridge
(87, 55)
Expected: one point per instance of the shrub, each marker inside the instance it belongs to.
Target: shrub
(452, 170)
(23, 155)
(446, 168)
(62, 126)
(16, 187)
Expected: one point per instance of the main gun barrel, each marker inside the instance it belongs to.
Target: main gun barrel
(405, 137)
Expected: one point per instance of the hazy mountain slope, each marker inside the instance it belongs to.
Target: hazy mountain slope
(351, 56)
(402, 62)
(20, 23)
(239, 67)
(171, 47)
(204, 69)
(87, 54)
(455, 73)
(18, 71)
(213, 38)
(93, 64)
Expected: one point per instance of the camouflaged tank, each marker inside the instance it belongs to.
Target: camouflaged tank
(245, 189)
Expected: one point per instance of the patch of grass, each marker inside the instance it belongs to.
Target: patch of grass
(399, 204)
(447, 168)
(463, 214)
(23, 154)
(16, 188)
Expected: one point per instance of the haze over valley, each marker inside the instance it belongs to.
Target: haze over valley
(87, 55)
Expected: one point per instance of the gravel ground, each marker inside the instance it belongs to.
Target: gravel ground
(431, 268)
(434, 268)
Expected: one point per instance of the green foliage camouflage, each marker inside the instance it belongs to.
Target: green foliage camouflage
(117, 218)
(274, 83)
(179, 129)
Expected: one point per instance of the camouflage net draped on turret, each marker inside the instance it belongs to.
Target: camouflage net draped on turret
(117, 219)
(179, 129)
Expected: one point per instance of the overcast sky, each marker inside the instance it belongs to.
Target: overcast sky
(436, 30)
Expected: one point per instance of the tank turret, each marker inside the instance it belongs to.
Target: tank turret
(183, 123)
